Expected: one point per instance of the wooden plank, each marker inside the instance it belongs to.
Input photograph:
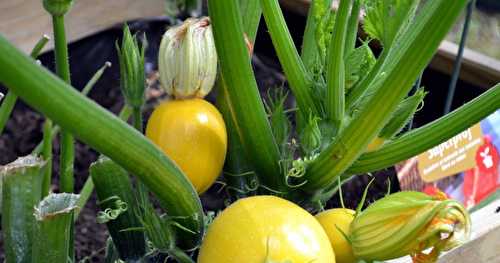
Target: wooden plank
(24, 21)
(478, 69)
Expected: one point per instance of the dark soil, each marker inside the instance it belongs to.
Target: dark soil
(23, 131)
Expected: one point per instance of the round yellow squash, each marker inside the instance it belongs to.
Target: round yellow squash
(341, 218)
(193, 134)
(265, 229)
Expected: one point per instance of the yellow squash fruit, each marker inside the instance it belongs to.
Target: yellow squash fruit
(332, 220)
(193, 134)
(265, 229)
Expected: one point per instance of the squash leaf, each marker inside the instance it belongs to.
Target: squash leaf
(359, 62)
(386, 19)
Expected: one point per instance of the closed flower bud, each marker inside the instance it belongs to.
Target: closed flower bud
(406, 223)
(132, 79)
(188, 59)
(57, 7)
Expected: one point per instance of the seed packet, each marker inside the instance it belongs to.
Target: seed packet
(466, 167)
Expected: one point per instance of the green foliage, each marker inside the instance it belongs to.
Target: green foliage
(386, 19)
(132, 77)
(359, 62)
(278, 118)
(118, 203)
(403, 114)
(310, 138)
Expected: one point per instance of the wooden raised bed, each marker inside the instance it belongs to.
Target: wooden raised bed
(24, 21)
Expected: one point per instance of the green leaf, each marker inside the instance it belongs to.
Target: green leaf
(385, 19)
(310, 52)
(280, 124)
(359, 62)
(409, 58)
(403, 114)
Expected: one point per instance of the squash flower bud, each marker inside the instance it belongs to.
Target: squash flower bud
(57, 7)
(188, 59)
(132, 78)
(407, 223)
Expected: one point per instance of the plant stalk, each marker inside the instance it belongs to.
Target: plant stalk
(352, 27)
(67, 154)
(21, 181)
(106, 133)
(54, 226)
(335, 90)
(251, 12)
(310, 52)
(414, 52)
(430, 135)
(242, 93)
(88, 187)
(296, 72)
(10, 99)
(114, 191)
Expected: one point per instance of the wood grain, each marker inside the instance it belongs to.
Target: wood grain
(24, 21)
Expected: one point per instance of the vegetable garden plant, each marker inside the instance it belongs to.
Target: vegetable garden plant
(282, 164)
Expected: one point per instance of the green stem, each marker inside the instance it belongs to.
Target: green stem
(21, 192)
(47, 155)
(114, 192)
(246, 107)
(137, 116)
(85, 91)
(61, 48)
(359, 89)
(415, 50)
(430, 135)
(67, 154)
(10, 99)
(295, 71)
(85, 194)
(54, 226)
(310, 52)
(88, 187)
(352, 27)
(180, 256)
(335, 90)
(237, 162)
(105, 133)
(251, 13)
(8, 104)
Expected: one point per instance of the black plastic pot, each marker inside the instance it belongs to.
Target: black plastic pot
(489, 5)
